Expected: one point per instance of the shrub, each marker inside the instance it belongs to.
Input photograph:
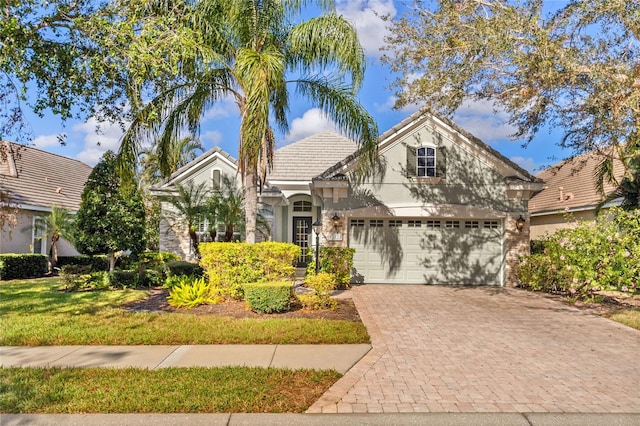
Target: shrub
(240, 263)
(191, 292)
(75, 277)
(97, 263)
(13, 266)
(123, 279)
(323, 284)
(337, 261)
(536, 246)
(268, 297)
(182, 267)
(593, 256)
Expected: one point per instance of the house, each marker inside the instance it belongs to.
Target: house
(31, 182)
(440, 207)
(569, 194)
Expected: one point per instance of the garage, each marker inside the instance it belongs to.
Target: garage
(427, 250)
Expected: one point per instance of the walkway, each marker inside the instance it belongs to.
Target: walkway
(450, 349)
(321, 357)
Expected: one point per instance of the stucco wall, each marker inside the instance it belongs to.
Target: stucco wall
(548, 224)
(18, 239)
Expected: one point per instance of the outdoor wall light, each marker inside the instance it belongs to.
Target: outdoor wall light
(336, 221)
(520, 223)
(317, 229)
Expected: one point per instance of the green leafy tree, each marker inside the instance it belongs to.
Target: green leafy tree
(576, 67)
(254, 52)
(78, 54)
(111, 217)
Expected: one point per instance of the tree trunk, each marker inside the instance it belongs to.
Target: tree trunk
(251, 204)
(112, 262)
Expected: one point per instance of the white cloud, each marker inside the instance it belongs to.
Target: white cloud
(212, 136)
(98, 139)
(365, 15)
(528, 164)
(46, 141)
(483, 121)
(311, 122)
(221, 109)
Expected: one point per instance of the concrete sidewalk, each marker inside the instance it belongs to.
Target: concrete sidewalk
(386, 419)
(320, 357)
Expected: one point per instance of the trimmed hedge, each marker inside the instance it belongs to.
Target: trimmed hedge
(268, 297)
(19, 266)
(240, 263)
(97, 263)
(182, 267)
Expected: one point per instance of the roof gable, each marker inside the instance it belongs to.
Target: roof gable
(41, 179)
(204, 161)
(448, 129)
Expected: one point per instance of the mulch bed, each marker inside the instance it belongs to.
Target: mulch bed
(157, 302)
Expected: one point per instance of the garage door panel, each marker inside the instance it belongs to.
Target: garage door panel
(419, 254)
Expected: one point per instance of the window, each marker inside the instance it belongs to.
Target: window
(302, 206)
(426, 162)
(376, 223)
(426, 157)
(491, 224)
(202, 231)
(415, 223)
(357, 223)
(394, 223)
(433, 224)
(216, 179)
(39, 236)
(452, 224)
(471, 224)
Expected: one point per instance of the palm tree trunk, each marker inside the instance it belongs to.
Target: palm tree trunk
(251, 204)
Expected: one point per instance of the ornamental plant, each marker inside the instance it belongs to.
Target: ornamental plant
(593, 256)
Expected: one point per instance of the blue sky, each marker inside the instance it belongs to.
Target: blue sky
(220, 124)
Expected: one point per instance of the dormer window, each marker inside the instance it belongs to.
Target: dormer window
(426, 162)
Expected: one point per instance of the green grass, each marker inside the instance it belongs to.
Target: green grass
(35, 312)
(628, 317)
(171, 390)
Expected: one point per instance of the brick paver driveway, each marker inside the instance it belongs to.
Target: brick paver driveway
(438, 348)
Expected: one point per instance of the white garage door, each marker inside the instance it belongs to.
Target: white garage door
(431, 251)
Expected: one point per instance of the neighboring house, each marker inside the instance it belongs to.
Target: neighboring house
(569, 194)
(441, 206)
(31, 182)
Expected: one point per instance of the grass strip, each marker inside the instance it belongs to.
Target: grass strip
(170, 390)
(628, 317)
(35, 313)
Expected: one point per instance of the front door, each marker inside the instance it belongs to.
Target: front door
(302, 237)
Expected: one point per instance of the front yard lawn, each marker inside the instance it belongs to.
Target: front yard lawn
(35, 312)
(170, 390)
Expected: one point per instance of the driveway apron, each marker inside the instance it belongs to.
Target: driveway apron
(482, 349)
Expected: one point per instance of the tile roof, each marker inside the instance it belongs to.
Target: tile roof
(309, 157)
(40, 178)
(575, 178)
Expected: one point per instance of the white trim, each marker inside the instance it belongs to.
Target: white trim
(43, 236)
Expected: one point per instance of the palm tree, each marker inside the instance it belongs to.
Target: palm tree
(628, 188)
(228, 203)
(253, 51)
(189, 203)
(59, 223)
(159, 162)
